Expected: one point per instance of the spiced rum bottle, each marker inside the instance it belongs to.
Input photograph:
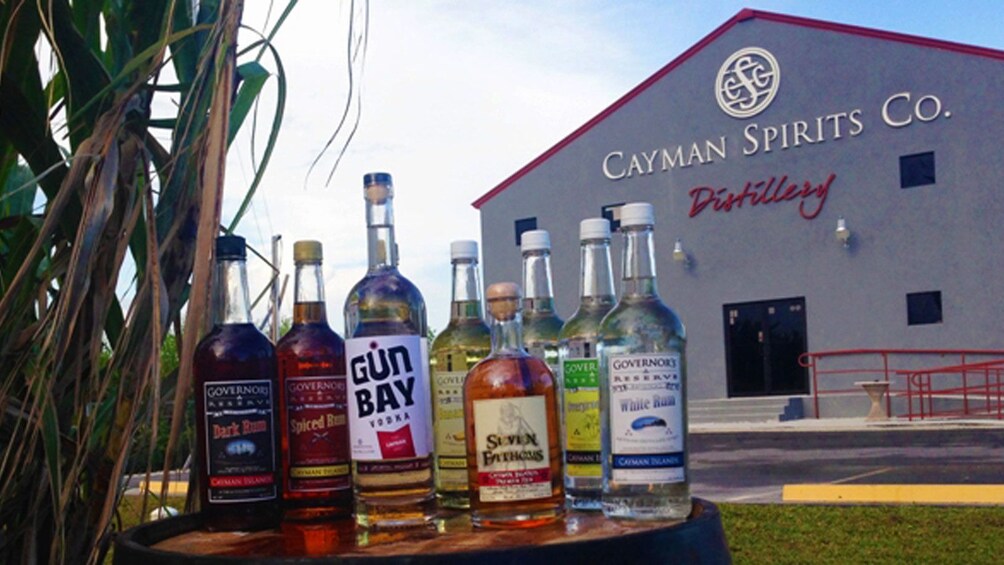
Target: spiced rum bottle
(465, 341)
(390, 427)
(312, 408)
(541, 324)
(580, 367)
(511, 413)
(643, 391)
(235, 401)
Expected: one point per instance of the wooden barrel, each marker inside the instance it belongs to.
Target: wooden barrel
(579, 538)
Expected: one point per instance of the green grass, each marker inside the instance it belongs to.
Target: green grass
(785, 533)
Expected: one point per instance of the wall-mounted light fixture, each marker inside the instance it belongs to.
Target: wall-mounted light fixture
(843, 234)
(679, 255)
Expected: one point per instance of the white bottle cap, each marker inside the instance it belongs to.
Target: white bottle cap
(637, 214)
(535, 240)
(594, 228)
(464, 249)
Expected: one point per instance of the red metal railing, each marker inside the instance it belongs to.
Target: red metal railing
(834, 372)
(977, 385)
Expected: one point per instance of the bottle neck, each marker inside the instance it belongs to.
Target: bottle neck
(380, 235)
(596, 279)
(232, 303)
(639, 279)
(308, 301)
(466, 302)
(539, 295)
(507, 335)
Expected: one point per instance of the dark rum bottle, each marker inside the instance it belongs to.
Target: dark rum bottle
(386, 350)
(312, 408)
(465, 341)
(511, 413)
(235, 403)
(580, 367)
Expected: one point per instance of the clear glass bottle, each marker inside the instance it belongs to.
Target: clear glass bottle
(465, 341)
(643, 392)
(541, 324)
(580, 367)
(236, 393)
(511, 413)
(387, 357)
(312, 408)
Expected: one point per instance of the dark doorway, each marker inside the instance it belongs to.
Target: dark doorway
(763, 341)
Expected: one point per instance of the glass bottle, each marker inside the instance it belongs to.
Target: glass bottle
(465, 341)
(541, 324)
(580, 367)
(235, 402)
(643, 394)
(387, 356)
(312, 408)
(511, 413)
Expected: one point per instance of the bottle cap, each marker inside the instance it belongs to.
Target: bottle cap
(637, 214)
(464, 249)
(594, 228)
(378, 187)
(377, 178)
(231, 247)
(307, 251)
(535, 240)
(504, 300)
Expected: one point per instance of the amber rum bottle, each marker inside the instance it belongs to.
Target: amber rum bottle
(312, 408)
(580, 367)
(235, 402)
(465, 341)
(643, 390)
(541, 324)
(390, 425)
(511, 413)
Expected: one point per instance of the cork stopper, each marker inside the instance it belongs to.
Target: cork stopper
(504, 300)
(307, 251)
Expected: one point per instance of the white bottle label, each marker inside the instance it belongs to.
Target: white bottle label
(388, 397)
(514, 461)
(646, 419)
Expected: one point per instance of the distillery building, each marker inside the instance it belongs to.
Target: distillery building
(817, 187)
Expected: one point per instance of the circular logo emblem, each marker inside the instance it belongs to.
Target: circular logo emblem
(747, 82)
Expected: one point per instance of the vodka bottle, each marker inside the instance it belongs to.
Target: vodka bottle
(465, 341)
(390, 427)
(580, 367)
(643, 394)
(235, 404)
(312, 409)
(511, 414)
(541, 323)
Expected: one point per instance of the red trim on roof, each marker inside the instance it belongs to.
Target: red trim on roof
(743, 15)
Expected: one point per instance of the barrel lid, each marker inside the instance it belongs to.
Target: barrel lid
(307, 251)
(231, 247)
(637, 214)
(594, 228)
(535, 240)
(464, 249)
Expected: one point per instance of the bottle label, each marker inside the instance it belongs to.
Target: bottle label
(240, 447)
(513, 454)
(646, 419)
(448, 410)
(582, 417)
(318, 455)
(388, 397)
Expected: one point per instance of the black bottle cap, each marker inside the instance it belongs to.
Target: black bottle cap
(376, 178)
(231, 247)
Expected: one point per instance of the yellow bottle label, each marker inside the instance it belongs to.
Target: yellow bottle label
(582, 418)
(450, 444)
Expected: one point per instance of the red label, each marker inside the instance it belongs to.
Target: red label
(514, 478)
(396, 444)
(317, 426)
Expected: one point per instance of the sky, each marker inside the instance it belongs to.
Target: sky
(455, 96)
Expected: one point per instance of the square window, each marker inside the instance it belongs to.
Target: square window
(916, 170)
(923, 308)
(612, 212)
(526, 224)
